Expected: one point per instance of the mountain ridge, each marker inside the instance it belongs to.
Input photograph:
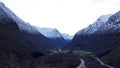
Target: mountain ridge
(54, 35)
(23, 33)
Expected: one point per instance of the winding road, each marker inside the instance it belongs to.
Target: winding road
(82, 64)
(102, 62)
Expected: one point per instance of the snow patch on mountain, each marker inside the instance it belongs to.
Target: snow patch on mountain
(6, 12)
(104, 18)
(67, 36)
(94, 27)
(112, 25)
(50, 32)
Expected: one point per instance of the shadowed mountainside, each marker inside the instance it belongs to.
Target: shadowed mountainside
(54, 35)
(19, 38)
(102, 37)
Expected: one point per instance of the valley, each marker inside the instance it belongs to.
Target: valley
(23, 45)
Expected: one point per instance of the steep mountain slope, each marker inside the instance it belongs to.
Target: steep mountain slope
(92, 39)
(94, 27)
(50, 32)
(11, 42)
(113, 56)
(54, 35)
(18, 37)
(102, 39)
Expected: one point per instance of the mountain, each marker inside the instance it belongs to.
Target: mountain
(54, 35)
(101, 37)
(86, 38)
(21, 44)
(67, 36)
(112, 56)
(50, 32)
(94, 27)
(12, 43)
(19, 38)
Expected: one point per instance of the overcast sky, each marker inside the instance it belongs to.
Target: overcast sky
(68, 16)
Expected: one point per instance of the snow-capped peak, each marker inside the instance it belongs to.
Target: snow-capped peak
(2, 5)
(113, 24)
(94, 27)
(7, 13)
(10, 14)
(104, 18)
(67, 36)
(50, 32)
(114, 19)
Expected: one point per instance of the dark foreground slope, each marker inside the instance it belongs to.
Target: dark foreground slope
(62, 60)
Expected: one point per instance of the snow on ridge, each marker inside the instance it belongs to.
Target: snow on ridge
(67, 36)
(104, 18)
(6, 12)
(50, 32)
(10, 13)
(94, 27)
(53, 33)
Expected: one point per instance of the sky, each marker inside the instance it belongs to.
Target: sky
(68, 16)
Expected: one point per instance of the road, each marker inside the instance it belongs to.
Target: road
(102, 62)
(82, 64)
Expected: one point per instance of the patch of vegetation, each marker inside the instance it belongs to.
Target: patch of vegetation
(83, 53)
(76, 52)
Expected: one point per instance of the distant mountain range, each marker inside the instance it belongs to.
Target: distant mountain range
(53, 33)
(55, 36)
